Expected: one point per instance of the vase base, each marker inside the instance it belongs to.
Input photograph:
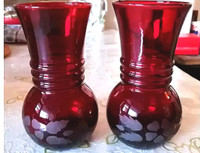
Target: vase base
(143, 118)
(60, 120)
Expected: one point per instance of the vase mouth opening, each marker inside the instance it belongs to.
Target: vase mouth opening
(52, 5)
(153, 3)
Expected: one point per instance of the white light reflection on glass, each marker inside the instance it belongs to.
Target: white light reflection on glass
(48, 92)
(132, 113)
(126, 108)
(43, 127)
(37, 108)
(167, 95)
(141, 45)
(43, 114)
(67, 25)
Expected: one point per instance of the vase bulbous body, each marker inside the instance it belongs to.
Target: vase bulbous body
(60, 111)
(143, 110)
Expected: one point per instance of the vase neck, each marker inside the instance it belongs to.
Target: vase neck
(55, 37)
(148, 34)
(57, 75)
(148, 76)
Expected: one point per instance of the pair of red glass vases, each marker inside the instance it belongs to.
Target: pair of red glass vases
(143, 110)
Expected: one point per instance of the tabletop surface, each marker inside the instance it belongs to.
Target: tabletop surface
(102, 53)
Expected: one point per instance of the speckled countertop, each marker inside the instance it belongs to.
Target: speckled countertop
(102, 53)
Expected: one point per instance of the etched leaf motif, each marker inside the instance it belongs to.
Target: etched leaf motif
(165, 124)
(154, 126)
(27, 120)
(131, 137)
(158, 139)
(39, 135)
(38, 126)
(35, 124)
(68, 133)
(55, 127)
(167, 133)
(130, 123)
(121, 128)
(150, 136)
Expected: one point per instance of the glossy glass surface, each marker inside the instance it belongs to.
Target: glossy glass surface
(143, 110)
(60, 111)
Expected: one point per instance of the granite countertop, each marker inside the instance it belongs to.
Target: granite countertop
(102, 53)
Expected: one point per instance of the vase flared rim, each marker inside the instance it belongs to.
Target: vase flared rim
(153, 3)
(52, 5)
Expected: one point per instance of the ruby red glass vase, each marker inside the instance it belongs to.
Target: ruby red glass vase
(143, 110)
(60, 111)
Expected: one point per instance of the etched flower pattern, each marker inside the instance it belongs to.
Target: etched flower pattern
(131, 124)
(157, 132)
(53, 128)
